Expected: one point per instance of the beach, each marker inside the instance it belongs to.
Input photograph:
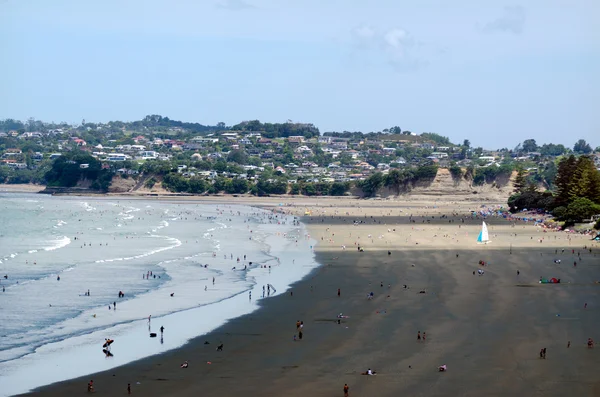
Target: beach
(488, 329)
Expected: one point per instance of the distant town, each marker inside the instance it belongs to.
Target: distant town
(257, 158)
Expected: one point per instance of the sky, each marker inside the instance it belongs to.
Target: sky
(493, 72)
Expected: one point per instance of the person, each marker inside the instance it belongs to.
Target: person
(162, 329)
(339, 292)
(418, 335)
(115, 305)
(184, 365)
(442, 368)
(129, 388)
(346, 389)
(90, 386)
(369, 372)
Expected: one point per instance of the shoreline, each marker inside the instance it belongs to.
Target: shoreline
(274, 250)
(487, 329)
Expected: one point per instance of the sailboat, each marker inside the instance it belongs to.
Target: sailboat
(483, 237)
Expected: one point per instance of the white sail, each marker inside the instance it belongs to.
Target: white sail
(483, 235)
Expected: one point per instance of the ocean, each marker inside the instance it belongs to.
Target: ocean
(188, 266)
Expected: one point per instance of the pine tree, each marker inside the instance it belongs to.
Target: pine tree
(564, 180)
(520, 181)
(585, 181)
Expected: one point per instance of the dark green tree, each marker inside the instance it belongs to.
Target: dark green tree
(529, 145)
(582, 147)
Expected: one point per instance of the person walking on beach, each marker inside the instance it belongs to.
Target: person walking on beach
(162, 329)
(129, 388)
(115, 305)
(418, 335)
(339, 292)
(346, 389)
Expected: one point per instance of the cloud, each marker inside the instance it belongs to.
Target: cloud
(404, 52)
(512, 21)
(234, 5)
(396, 46)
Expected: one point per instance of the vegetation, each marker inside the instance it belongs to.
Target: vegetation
(73, 167)
(278, 130)
(577, 193)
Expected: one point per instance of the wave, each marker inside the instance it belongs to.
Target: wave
(176, 244)
(63, 242)
(87, 206)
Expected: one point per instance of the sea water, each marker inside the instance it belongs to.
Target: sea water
(162, 255)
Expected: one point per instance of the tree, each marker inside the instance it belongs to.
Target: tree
(551, 149)
(372, 184)
(580, 209)
(521, 181)
(582, 147)
(585, 181)
(466, 143)
(394, 180)
(564, 175)
(238, 156)
(529, 145)
(455, 171)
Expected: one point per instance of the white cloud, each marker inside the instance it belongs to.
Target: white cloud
(396, 45)
(234, 5)
(512, 21)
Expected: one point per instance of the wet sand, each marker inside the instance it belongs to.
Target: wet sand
(487, 329)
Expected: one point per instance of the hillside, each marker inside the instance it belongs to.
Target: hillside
(444, 186)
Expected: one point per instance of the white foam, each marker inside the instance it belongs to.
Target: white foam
(60, 243)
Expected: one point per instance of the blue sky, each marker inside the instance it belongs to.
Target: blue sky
(492, 72)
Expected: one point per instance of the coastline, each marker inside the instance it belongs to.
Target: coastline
(274, 249)
(486, 329)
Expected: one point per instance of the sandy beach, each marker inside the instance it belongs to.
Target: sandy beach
(488, 329)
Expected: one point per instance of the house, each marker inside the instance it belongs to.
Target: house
(117, 157)
(296, 139)
(280, 169)
(487, 158)
(442, 148)
(439, 155)
(18, 166)
(148, 154)
(324, 139)
(30, 135)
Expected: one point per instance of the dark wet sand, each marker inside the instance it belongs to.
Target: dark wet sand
(488, 330)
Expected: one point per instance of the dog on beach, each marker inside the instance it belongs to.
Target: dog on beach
(220, 347)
